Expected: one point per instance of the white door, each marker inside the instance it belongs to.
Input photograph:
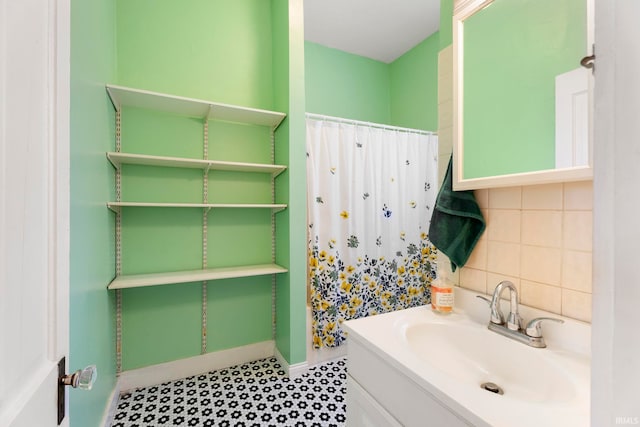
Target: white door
(615, 358)
(34, 208)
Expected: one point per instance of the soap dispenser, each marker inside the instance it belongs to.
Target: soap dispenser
(442, 289)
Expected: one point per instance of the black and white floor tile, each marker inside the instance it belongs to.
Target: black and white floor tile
(253, 394)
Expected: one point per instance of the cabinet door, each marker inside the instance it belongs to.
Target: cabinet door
(363, 410)
(402, 398)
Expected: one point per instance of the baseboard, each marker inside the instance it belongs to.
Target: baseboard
(316, 356)
(110, 410)
(294, 370)
(163, 372)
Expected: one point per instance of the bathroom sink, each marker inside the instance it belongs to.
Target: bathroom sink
(474, 356)
(451, 356)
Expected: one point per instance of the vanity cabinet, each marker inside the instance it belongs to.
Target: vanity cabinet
(378, 395)
(364, 410)
(425, 369)
(206, 111)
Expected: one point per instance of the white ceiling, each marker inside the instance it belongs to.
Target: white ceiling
(379, 29)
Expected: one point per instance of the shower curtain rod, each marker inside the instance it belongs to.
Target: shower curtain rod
(368, 124)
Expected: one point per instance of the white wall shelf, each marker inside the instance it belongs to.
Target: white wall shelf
(276, 207)
(118, 159)
(156, 279)
(207, 112)
(123, 96)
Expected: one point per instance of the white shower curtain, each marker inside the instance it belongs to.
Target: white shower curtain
(371, 192)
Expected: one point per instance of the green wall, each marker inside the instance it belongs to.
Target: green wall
(226, 51)
(446, 23)
(291, 224)
(92, 308)
(264, 67)
(518, 47)
(209, 49)
(414, 86)
(345, 85)
(403, 93)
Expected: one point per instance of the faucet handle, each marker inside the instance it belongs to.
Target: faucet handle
(533, 327)
(485, 299)
(496, 314)
(514, 321)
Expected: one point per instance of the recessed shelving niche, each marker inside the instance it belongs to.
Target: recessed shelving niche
(205, 110)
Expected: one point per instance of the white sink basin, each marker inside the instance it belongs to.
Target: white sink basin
(475, 356)
(450, 356)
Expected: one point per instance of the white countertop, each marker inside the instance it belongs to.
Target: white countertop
(567, 355)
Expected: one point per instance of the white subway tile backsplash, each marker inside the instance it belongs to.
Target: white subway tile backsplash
(445, 142)
(505, 198)
(445, 117)
(485, 215)
(478, 258)
(542, 228)
(576, 305)
(577, 230)
(443, 161)
(445, 90)
(504, 225)
(578, 195)
(548, 196)
(541, 296)
(503, 258)
(482, 198)
(473, 279)
(576, 270)
(541, 264)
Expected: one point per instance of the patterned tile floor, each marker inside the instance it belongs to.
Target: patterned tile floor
(253, 394)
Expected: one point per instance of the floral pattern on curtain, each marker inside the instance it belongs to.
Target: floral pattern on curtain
(371, 192)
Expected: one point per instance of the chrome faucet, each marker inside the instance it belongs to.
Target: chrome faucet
(512, 328)
(514, 321)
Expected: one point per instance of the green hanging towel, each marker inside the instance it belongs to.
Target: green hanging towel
(456, 222)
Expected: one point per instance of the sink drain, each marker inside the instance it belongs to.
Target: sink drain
(493, 388)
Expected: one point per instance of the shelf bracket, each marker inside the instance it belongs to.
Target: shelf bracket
(115, 209)
(114, 163)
